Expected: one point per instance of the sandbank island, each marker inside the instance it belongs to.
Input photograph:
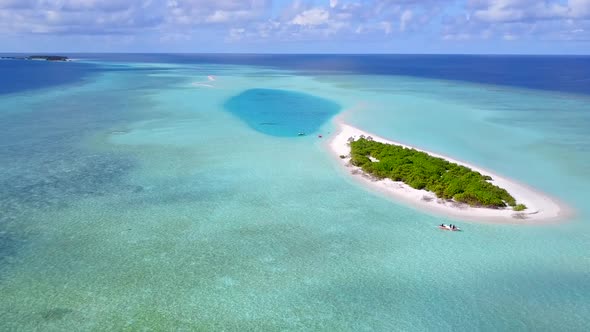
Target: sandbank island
(439, 184)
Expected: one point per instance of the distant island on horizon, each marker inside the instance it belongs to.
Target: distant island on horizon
(38, 58)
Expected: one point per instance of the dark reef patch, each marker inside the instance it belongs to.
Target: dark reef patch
(56, 313)
(47, 165)
(8, 247)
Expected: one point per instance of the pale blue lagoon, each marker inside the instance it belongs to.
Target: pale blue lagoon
(134, 196)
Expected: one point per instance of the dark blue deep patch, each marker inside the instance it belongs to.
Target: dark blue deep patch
(280, 112)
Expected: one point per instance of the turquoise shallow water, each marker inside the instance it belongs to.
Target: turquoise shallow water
(140, 201)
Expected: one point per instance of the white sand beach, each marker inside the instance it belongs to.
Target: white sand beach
(540, 207)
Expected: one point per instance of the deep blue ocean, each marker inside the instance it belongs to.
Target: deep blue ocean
(20, 75)
(554, 73)
(173, 192)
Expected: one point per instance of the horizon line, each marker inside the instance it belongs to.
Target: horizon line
(298, 53)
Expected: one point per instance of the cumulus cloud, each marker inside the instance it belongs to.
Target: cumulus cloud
(405, 19)
(301, 20)
(386, 26)
(76, 17)
(516, 19)
(195, 12)
(579, 8)
(345, 19)
(116, 16)
(315, 16)
(518, 10)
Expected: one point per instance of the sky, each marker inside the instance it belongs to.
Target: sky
(297, 26)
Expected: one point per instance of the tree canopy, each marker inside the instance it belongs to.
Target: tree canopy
(419, 170)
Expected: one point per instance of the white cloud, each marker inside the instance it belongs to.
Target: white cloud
(579, 8)
(236, 34)
(315, 16)
(76, 17)
(386, 26)
(510, 37)
(528, 10)
(405, 18)
(195, 12)
(459, 36)
(223, 16)
(518, 19)
(300, 20)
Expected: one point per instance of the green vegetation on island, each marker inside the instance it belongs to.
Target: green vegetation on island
(422, 171)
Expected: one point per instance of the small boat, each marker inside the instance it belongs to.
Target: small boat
(320, 136)
(449, 228)
(301, 134)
